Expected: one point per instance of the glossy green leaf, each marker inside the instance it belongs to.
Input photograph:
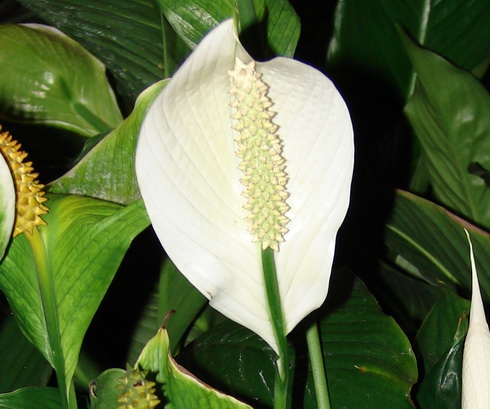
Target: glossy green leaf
(450, 113)
(107, 170)
(380, 375)
(365, 36)
(104, 392)
(135, 60)
(55, 294)
(441, 388)
(446, 323)
(182, 389)
(370, 363)
(28, 398)
(50, 79)
(433, 242)
(440, 342)
(21, 364)
(192, 19)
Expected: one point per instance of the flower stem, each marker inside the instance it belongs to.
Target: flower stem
(278, 323)
(317, 367)
(48, 300)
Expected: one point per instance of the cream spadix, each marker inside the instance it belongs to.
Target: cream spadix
(214, 151)
(476, 353)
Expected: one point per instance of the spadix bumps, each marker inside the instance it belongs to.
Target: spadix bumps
(235, 156)
(259, 149)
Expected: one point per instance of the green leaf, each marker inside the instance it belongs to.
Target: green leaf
(21, 364)
(55, 288)
(192, 19)
(107, 170)
(183, 390)
(446, 323)
(135, 60)
(433, 242)
(62, 85)
(179, 295)
(440, 341)
(365, 36)
(370, 363)
(450, 113)
(408, 298)
(441, 388)
(28, 398)
(369, 360)
(104, 392)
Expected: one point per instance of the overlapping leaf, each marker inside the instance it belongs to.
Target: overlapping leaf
(28, 398)
(369, 360)
(107, 170)
(192, 19)
(125, 35)
(450, 113)
(365, 36)
(432, 240)
(21, 364)
(440, 342)
(50, 79)
(83, 244)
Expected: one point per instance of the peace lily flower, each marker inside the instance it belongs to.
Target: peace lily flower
(235, 156)
(476, 353)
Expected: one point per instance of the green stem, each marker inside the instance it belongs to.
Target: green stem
(279, 327)
(317, 367)
(48, 300)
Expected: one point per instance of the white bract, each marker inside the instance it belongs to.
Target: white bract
(476, 353)
(235, 156)
(7, 199)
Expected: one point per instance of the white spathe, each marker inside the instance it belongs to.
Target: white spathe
(7, 205)
(476, 353)
(188, 177)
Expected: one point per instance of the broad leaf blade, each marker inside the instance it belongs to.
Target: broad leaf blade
(193, 19)
(21, 364)
(432, 240)
(107, 170)
(61, 86)
(85, 241)
(380, 375)
(28, 398)
(440, 342)
(446, 323)
(369, 360)
(365, 35)
(450, 113)
(136, 60)
(183, 390)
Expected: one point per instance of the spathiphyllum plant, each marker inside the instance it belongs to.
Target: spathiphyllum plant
(245, 170)
(221, 126)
